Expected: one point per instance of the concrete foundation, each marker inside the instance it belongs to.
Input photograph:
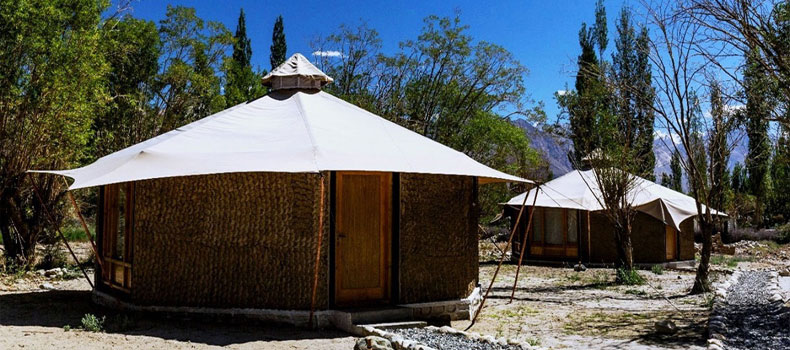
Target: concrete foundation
(346, 320)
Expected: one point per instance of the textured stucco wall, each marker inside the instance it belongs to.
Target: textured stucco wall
(438, 237)
(229, 240)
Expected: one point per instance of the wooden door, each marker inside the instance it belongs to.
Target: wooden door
(363, 232)
(672, 242)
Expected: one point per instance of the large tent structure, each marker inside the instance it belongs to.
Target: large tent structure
(295, 201)
(568, 224)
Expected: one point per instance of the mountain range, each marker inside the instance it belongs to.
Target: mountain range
(555, 148)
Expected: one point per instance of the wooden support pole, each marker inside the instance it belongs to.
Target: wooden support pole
(54, 223)
(317, 251)
(524, 242)
(84, 226)
(499, 266)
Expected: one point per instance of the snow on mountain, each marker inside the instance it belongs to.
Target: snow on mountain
(555, 148)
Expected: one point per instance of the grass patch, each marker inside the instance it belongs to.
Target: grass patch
(629, 277)
(636, 292)
(657, 269)
(91, 323)
(533, 341)
(729, 261)
(75, 233)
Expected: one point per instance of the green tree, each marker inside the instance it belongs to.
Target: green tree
(132, 48)
(739, 179)
(588, 102)
(443, 85)
(278, 48)
(677, 172)
(51, 85)
(633, 100)
(188, 85)
(758, 90)
(722, 125)
(666, 180)
(242, 83)
(780, 173)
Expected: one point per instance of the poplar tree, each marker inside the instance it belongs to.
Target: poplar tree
(758, 90)
(278, 48)
(634, 94)
(677, 172)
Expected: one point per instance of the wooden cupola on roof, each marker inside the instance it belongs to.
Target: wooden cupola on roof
(296, 73)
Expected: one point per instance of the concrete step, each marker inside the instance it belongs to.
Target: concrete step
(381, 315)
(363, 329)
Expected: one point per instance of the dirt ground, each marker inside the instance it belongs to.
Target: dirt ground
(36, 318)
(559, 308)
(554, 307)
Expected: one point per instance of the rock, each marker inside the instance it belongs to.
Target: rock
(666, 327)
(373, 343)
(579, 267)
(47, 286)
(784, 272)
(56, 272)
(41, 272)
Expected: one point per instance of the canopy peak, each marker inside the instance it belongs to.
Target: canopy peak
(296, 73)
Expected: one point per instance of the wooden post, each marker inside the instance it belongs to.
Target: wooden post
(317, 250)
(499, 266)
(52, 220)
(84, 226)
(523, 243)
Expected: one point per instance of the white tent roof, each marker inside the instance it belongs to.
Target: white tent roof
(296, 131)
(574, 190)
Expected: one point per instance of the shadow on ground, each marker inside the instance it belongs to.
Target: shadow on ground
(61, 308)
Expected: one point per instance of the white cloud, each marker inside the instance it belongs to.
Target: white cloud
(562, 92)
(328, 53)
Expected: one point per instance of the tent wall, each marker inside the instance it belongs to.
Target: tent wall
(686, 239)
(228, 240)
(597, 244)
(647, 239)
(438, 237)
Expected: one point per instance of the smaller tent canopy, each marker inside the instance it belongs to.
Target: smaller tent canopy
(579, 190)
(296, 128)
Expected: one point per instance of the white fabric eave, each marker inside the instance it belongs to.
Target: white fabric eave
(290, 132)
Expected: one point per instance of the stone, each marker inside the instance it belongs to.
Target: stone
(56, 272)
(785, 272)
(47, 286)
(373, 343)
(666, 327)
(579, 267)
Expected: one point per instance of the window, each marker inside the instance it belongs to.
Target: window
(555, 232)
(554, 226)
(537, 225)
(117, 235)
(573, 226)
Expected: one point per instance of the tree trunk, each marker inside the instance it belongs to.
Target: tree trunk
(625, 258)
(19, 240)
(702, 282)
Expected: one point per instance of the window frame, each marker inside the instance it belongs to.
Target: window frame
(117, 270)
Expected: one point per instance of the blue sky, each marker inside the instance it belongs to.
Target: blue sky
(543, 35)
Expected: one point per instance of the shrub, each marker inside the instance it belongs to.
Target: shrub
(629, 277)
(91, 323)
(66, 328)
(52, 257)
(657, 269)
(783, 235)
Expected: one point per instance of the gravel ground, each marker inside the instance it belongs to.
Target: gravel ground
(445, 341)
(753, 321)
